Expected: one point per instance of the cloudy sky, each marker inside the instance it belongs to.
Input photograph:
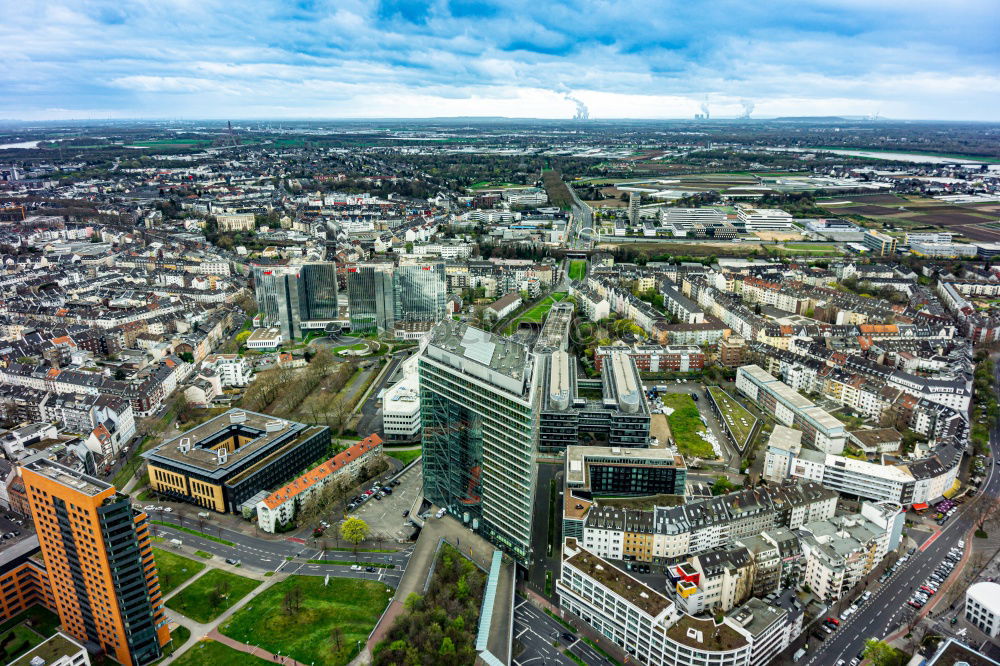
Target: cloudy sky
(519, 58)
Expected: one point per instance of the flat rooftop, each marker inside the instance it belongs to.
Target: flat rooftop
(704, 634)
(577, 458)
(499, 354)
(83, 483)
(651, 602)
(241, 434)
(49, 650)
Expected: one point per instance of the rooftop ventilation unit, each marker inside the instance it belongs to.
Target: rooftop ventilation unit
(222, 455)
(238, 417)
(185, 445)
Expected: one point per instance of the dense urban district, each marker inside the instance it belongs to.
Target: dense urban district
(500, 392)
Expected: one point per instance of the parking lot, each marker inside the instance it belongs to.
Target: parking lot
(385, 517)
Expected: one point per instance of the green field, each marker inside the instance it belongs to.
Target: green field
(488, 184)
(174, 569)
(685, 424)
(215, 653)
(211, 595)
(405, 457)
(348, 606)
(577, 269)
(171, 142)
(538, 312)
(732, 413)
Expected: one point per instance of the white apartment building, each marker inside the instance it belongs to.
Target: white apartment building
(982, 607)
(840, 552)
(783, 446)
(264, 338)
(232, 369)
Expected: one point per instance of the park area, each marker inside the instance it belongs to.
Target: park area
(577, 269)
(309, 621)
(538, 312)
(818, 249)
(217, 654)
(174, 569)
(211, 595)
(735, 417)
(685, 424)
(439, 628)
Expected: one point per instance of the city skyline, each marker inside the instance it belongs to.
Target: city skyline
(509, 59)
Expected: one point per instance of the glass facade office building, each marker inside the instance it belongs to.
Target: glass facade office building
(478, 405)
(382, 294)
(290, 296)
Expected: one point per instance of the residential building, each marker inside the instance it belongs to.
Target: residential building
(982, 607)
(232, 369)
(280, 507)
(819, 428)
(99, 560)
(223, 462)
(478, 393)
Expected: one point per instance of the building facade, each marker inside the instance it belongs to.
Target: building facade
(478, 411)
(99, 559)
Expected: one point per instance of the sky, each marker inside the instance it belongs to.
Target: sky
(267, 59)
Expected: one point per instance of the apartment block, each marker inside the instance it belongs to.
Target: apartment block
(99, 559)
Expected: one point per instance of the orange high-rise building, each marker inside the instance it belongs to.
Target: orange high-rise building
(99, 560)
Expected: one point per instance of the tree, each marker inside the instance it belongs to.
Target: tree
(242, 336)
(881, 653)
(447, 647)
(120, 374)
(354, 531)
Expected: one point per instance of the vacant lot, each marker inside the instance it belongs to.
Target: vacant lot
(577, 269)
(946, 219)
(309, 621)
(685, 424)
(174, 569)
(211, 595)
(537, 313)
(737, 419)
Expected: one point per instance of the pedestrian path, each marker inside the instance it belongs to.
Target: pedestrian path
(253, 650)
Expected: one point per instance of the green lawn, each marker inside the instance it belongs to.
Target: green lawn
(577, 269)
(307, 634)
(174, 569)
(211, 595)
(178, 637)
(685, 425)
(15, 642)
(537, 313)
(405, 457)
(732, 413)
(217, 654)
(360, 346)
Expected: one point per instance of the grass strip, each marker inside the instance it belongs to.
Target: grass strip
(560, 620)
(194, 532)
(201, 553)
(601, 651)
(377, 565)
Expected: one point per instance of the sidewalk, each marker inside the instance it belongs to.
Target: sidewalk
(252, 650)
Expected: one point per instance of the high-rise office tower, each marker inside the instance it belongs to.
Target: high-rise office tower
(478, 401)
(99, 560)
(371, 297)
(381, 294)
(295, 298)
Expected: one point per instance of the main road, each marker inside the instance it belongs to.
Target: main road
(887, 609)
(295, 556)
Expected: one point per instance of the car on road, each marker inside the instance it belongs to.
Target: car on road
(406, 512)
(568, 637)
(370, 569)
(355, 567)
(233, 561)
(167, 509)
